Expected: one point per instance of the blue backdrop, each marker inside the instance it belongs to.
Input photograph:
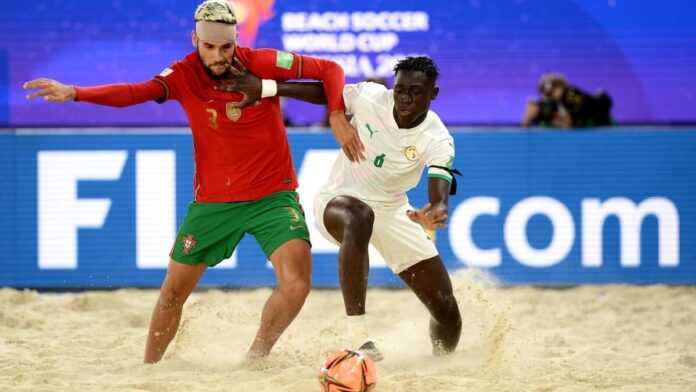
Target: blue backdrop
(491, 52)
(98, 209)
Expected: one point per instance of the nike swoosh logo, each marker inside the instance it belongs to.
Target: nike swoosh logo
(293, 228)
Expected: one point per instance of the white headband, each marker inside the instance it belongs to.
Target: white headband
(216, 32)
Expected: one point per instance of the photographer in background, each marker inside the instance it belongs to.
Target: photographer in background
(564, 106)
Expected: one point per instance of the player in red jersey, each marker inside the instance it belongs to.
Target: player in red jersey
(244, 180)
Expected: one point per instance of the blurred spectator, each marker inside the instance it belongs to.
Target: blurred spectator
(563, 106)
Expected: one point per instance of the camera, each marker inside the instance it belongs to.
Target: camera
(547, 109)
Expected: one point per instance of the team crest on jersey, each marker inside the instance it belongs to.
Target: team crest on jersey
(232, 112)
(188, 243)
(411, 153)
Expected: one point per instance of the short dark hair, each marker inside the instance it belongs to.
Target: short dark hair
(421, 63)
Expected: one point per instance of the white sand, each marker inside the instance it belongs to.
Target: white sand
(618, 338)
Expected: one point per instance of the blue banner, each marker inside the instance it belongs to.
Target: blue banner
(99, 209)
(490, 53)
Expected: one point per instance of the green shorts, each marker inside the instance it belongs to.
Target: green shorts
(211, 231)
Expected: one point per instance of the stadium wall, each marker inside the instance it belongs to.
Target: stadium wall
(99, 208)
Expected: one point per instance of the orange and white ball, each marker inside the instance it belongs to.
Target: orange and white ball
(348, 371)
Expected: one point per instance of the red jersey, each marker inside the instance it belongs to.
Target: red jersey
(240, 154)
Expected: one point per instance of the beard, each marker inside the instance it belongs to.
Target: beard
(225, 75)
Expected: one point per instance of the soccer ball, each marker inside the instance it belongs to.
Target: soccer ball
(348, 371)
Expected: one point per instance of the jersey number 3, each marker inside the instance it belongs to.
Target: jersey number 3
(212, 118)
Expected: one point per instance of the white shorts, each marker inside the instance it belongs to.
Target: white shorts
(401, 242)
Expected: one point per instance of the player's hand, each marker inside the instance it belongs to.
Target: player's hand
(242, 82)
(51, 90)
(347, 136)
(430, 217)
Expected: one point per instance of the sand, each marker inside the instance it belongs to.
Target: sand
(616, 338)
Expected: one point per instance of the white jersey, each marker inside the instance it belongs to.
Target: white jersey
(395, 157)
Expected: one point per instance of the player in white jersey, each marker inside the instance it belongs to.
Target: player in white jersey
(365, 202)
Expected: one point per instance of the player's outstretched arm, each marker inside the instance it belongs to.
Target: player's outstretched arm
(117, 95)
(434, 214)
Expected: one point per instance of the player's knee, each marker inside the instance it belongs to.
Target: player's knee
(360, 216)
(296, 288)
(170, 298)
